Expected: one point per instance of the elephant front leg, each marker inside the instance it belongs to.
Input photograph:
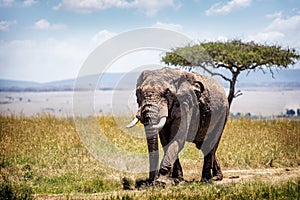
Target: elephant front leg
(173, 140)
(174, 171)
(178, 134)
(169, 161)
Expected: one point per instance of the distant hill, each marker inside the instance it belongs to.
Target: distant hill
(12, 83)
(120, 81)
(108, 81)
(282, 78)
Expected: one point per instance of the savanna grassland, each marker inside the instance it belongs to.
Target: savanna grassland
(43, 157)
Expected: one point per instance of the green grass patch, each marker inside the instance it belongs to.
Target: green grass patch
(46, 154)
(243, 190)
(252, 144)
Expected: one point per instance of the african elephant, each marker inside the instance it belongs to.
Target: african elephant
(180, 106)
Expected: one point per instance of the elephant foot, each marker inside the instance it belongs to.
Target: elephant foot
(206, 176)
(217, 172)
(144, 184)
(164, 181)
(180, 181)
(167, 181)
(218, 177)
(205, 180)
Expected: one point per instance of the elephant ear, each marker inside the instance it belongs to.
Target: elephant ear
(186, 95)
(138, 93)
(196, 83)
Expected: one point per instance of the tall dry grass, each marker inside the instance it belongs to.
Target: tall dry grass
(47, 154)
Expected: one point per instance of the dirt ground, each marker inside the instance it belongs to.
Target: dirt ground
(277, 174)
(230, 176)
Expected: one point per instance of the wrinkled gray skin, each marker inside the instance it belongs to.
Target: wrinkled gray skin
(195, 108)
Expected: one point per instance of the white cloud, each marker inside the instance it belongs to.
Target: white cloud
(29, 2)
(49, 59)
(274, 15)
(43, 24)
(6, 3)
(281, 29)
(101, 36)
(267, 36)
(230, 6)
(289, 25)
(150, 8)
(42, 61)
(222, 39)
(87, 6)
(5, 25)
(170, 26)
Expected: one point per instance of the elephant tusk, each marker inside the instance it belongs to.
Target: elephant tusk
(160, 124)
(133, 123)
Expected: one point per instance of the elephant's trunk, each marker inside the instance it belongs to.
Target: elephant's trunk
(152, 141)
(152, 132)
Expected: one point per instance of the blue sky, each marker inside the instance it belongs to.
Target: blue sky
(50, 40)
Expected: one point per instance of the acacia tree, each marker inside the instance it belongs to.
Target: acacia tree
(235, 56)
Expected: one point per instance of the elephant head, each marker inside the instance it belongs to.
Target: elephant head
(163, 96)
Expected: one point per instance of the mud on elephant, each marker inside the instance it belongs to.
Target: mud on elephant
(179, 107)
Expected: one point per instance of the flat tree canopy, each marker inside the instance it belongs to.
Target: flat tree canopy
(235, 56)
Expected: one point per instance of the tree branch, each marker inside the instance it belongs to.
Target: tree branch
(238, 93)
(271, 71)
(215, 73)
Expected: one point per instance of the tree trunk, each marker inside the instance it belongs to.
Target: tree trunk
(231, 93)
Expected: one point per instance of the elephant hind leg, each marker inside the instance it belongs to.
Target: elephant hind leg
(177, 170)
(211, 168)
